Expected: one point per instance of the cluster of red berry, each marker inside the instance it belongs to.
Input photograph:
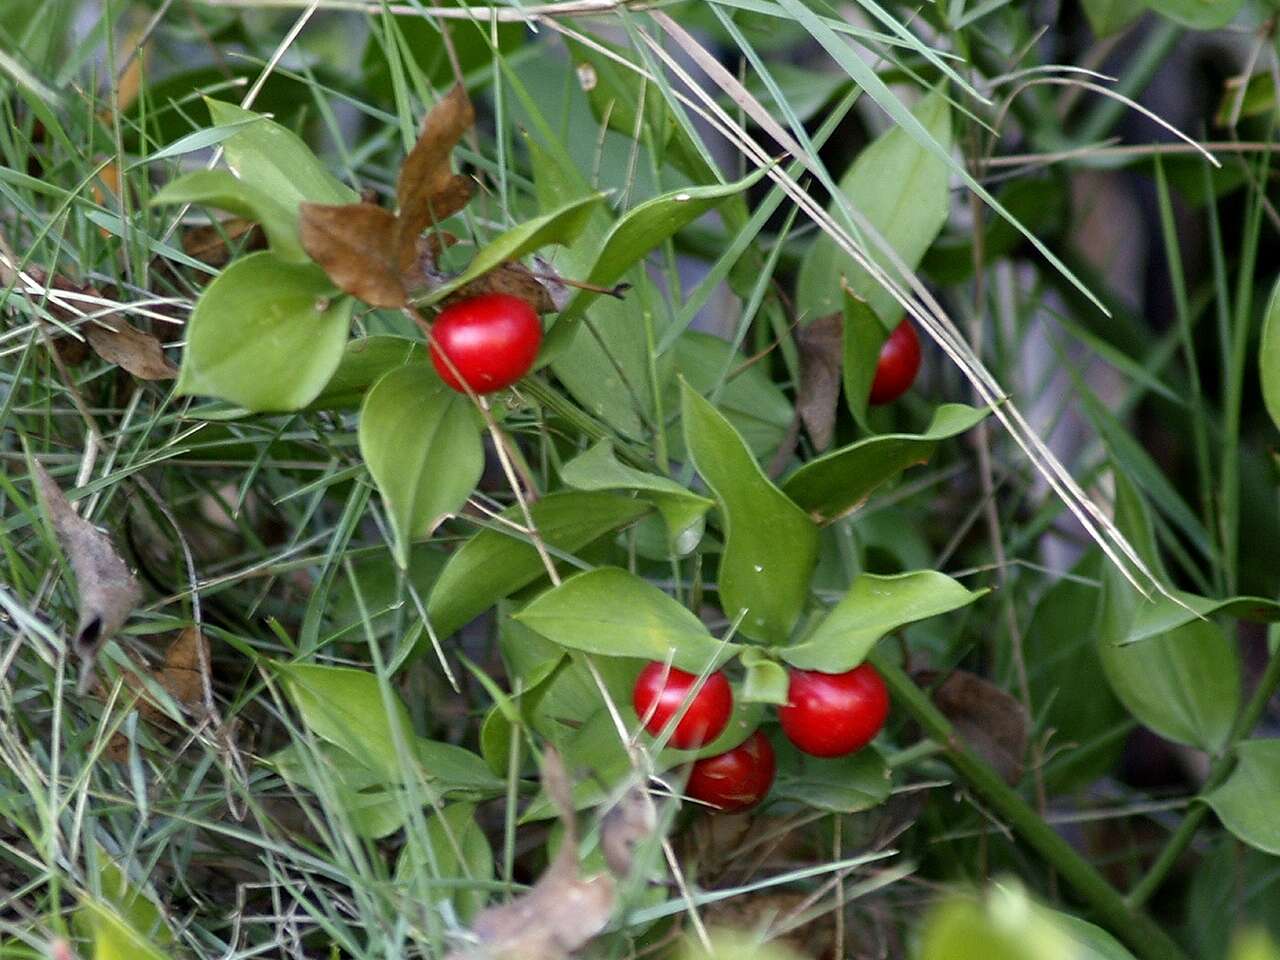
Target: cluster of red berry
(490, 341)
(826, 715)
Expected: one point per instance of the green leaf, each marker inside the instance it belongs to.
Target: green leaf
(1184, 684)
(421, 442)
(770, 547)
(220, 189)
(1164, 613)
(864, 336)
(275, 161)
(560, 226)
(452, 849)
(834, 485)
(1068, 688)
(113, 937)
(874, 606)
(766, 680)
(751, 401)
(849, 784)
(1269, 356)
(497, 562)
(1111, 16)
(345, 707)
(363, 363)
(617, 94)
(266, 334)
(1198, 14)
(645, 227)
(611, 612)
(902, 190)
(125, 923)
(683, 510)
(1248, 803)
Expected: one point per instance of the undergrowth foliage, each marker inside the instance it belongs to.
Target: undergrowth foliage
(698, 479)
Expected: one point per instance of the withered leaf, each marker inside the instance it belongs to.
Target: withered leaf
(179, 676)
(210, 244)
(108, 590)
(629, 823)
(821, 347)
(510, 277)
(117, 341)
(991, 722)
(562, 911)
(427, 190)
(356, 245)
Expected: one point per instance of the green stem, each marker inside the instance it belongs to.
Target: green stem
(1144, 936)
(1181, 838)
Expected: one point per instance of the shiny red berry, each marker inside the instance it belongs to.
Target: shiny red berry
(492, 341)
(666, 691)
(833, 714)
(735, 780)
(898, 365)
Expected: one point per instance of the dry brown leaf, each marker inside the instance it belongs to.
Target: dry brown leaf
(427, 190)
(356, 245)
(108, 590)
(629, 823)
(210, 244)
(179, 676)
(821, 346)
(562, 911)
(991, 722)
(512, 278)
(118, 341)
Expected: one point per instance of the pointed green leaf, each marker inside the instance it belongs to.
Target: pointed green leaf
(266, 334)
(421, 442)
(765, 680)
(864, 336)
(1198, 14)
(1183, 684)
(902, 190)
(771, 547)
(453, 849)
(220, 189)
(1164, 613)
(612, 612)
(1111, 16)
(345, 707)
(497, 562)
(873, 607)
(834, 485)
(275, 161)
(1248, 803)
(560, 226)
(683, 510)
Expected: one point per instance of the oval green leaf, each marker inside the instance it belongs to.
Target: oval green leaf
(453, 849)
(617, 614)
(421, 442)
(364, 361)
(498, 561)
(873, 607)
(902, 189)
(1198, 14)
(681, 509)
(1248, 803)
(1269, 356)
(771, 547)
(266, 335)
(834, 485)
(1183, 684)
(849, 784)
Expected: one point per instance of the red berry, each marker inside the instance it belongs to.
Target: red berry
(706, 716)
(735, 780)
(832, 714)
(898, 365)
(491, 339)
